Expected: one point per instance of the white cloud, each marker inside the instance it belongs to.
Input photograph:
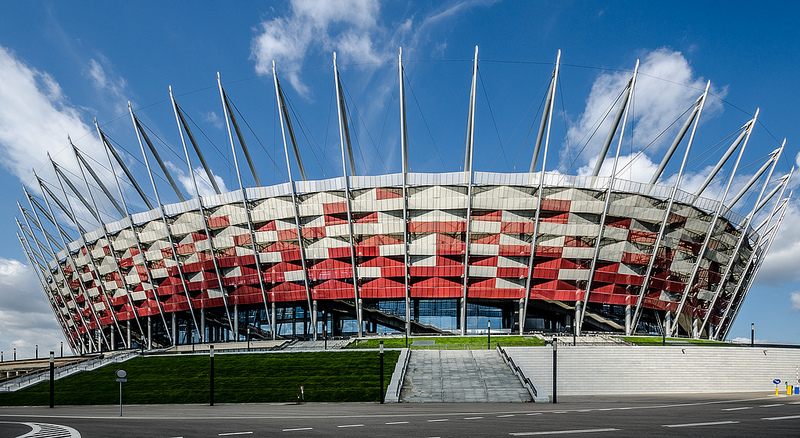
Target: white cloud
(780, 266)
(26, 318)
(111, 87)
(203, 183)
(214, 119)
(795, 298)
(657, 103)
(348, 26)
(35, 119)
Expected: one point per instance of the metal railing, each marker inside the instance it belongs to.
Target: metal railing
(403, 374)
(64, 371)
(526, 382)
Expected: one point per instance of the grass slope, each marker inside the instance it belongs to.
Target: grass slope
(449, 342)
(239, 378)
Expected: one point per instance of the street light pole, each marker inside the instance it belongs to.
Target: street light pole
(211, 375)
(37, 351)
(381, 370)
(555, 370)
(752, 334)
(52, 380)
(248, 338)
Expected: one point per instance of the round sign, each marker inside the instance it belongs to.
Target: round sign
(776, 381)
(121, 374)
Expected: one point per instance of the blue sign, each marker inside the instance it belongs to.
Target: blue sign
(776, 381)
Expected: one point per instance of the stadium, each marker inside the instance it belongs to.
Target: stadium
(404, 252)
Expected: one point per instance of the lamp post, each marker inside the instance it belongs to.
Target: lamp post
(37, 351)
(325, 335)
(381, 370)
(248, 338)
(211, 375)
(752, 334)
(489, 335)
(15, 354)
(52, 379)
(62, 349)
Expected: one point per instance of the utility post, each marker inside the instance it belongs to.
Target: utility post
(62, 349)
(15, 354)
(663, 335)
(37, 351)
(489, 335)
(211, 375)
(752, 334)
(325, 335)
(52, 380)
(248, 338)
(381, 370)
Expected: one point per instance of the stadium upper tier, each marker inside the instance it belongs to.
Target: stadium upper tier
(411, 252)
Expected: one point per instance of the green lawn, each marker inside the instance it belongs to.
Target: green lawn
(449, 342)
(239, 378)
(656, 340)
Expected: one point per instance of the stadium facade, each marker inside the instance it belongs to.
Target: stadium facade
(413, 252)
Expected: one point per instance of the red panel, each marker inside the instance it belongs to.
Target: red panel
(382, 193)
(335, 207)
(437, 227)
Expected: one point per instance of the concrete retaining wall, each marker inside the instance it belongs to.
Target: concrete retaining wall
(599, 370)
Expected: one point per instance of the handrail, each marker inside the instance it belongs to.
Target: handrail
(64, 371)
(403, 374)
(526, 382)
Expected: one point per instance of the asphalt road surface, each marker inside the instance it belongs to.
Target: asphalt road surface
(721, 415)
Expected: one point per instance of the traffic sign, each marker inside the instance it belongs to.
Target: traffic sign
(776, 381)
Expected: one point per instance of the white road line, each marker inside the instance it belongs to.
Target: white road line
(235, 433)
(792, 417)
(473, 418)
(298, 428)
(739, 408)
(559, 412)
(396, 422)
(771, 406)
(534, 413)
(712, 423)
(351, 425)
(562, 432)
(438, 420)
(505, 416)
(794, 403)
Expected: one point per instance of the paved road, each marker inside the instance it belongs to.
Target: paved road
(685, 415)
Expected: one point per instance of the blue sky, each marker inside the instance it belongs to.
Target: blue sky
(63, 64)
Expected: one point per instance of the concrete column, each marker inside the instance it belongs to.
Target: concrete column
(314, 318)
(521, 316)
(235, 322)
(202, 325)
(149, 334)
(129, 333)
(628, 319)
(294, 321)
(695, 328)
(174, 330)
(113, 341)
(578, 306)
(274, 327)
(668, 322)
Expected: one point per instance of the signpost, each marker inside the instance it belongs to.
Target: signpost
(488, 335)
(122, 377)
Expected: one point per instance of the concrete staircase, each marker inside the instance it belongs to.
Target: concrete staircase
(460, 376)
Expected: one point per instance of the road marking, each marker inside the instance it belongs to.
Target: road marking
(771, 406)
(505, 416)
(562, 432)
(559, 412)
(298, 428)
(712, 423)
(473, 418)
(794, 403)
(792, 417)
(351, 425)
(534, 413)
(738, 409)
(235, 433)
(396, 422)
(438, 420)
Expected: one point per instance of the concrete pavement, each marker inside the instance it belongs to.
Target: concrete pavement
(756, 414)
